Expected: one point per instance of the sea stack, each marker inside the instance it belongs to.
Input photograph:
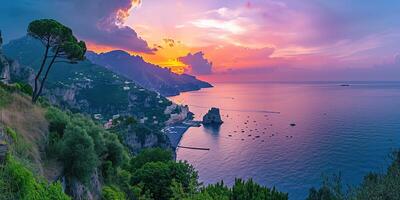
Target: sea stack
(213, 117)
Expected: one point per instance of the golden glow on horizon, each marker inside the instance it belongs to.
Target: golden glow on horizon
(166, 57)
(241, 38)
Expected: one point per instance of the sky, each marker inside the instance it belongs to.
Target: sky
(234, 40)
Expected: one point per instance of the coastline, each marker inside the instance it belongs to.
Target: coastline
(176, 131)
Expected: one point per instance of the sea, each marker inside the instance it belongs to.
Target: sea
(292, 136)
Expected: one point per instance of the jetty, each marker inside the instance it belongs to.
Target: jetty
(194, 148)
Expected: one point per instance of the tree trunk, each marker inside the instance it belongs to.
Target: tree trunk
(40, 72)
(37, 95)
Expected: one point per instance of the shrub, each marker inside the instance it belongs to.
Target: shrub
(93, 130)
(58, 120)
(150, 155)
(10, 132)
(5, 97)
(114, 150)
(17, 182)
(19, 147)
(24, 88)
(78, 154)
(112, 193)
(154, 177)
(158, 177)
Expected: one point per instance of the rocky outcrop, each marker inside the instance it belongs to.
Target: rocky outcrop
(4, 65)
(212, 117)
(138, 137)
(80, 191)
(12, 71)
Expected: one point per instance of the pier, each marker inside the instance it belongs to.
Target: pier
(194, 148)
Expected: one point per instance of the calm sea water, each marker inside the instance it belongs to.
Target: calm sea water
(348, 130)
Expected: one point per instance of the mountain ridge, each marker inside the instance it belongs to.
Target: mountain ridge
(148, 75)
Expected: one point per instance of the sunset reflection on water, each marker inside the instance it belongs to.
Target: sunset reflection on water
(338, 129)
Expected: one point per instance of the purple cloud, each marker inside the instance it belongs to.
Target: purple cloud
(197, 64)
(97, 21)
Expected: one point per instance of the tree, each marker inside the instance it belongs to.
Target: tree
(158, 178)
(112, 193)
(78, 154)
(60, 46)
(150, 155)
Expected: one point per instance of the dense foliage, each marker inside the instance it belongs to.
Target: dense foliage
(17, 181)
(241, 190)
(81, 144)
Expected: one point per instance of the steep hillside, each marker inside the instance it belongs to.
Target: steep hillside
(18, 114)
(94, 90)
(90, 88)
(44, 142)
(148, 75)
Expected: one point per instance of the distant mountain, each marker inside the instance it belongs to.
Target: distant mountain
(145, 74)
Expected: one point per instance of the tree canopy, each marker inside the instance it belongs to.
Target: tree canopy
(60, 46)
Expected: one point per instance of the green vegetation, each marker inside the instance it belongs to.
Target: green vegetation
(375, 186)
(156, 178)
(241, 190)
(78, 154)
(5, 98)
(85, 84)
(18, 182)
(150, 155)
(112, 193)
(87, 153)
(59, 40)
(24, 88)
(83, 147)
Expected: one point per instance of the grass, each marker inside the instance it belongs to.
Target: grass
(4, 98)
(26, 127)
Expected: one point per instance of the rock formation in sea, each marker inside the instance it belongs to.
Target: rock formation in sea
(213, 116)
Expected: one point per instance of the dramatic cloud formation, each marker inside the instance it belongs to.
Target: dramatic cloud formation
(197, 64)
(100, 22)
(237, 36)
(247, 36)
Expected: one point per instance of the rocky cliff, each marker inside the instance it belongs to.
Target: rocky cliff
(4, 65)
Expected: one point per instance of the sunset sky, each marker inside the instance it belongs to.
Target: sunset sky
(218, 40)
